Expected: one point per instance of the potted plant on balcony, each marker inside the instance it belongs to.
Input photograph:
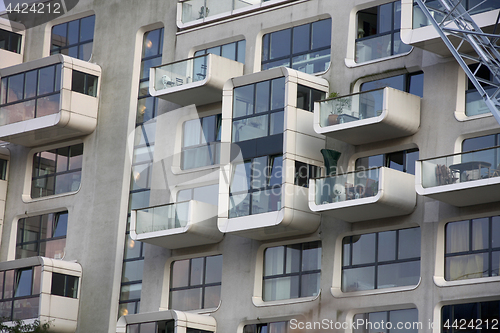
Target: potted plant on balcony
(338, 108)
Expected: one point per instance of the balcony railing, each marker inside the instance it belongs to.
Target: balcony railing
(364, 194)
(455, 178)
(197, 80)
(176, 225)
(368, 116)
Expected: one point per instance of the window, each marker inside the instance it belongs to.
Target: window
(305, 48)
(491, 156)
(292, 271)
(412, 83)
(274, 327)
(10, 41)
(378, 32)
(64, 285)
(74, 38)
(234, 51)
(474, 103)
(472, 248)
(403, 160)
(474, 317)
(42, 235)
(258, 110)
(307, 96)
(84, 83)
(195, 283)
(387, 321)
(163, 326)
(304, 172)
(208, 194)
(381, 260)
(31, 94)
(256, 186)
(21, 291)
(3, 169)
(57, 171)
(201, 142)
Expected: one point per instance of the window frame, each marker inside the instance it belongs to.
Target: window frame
(78, 44)
(10, 37)
(237, 56)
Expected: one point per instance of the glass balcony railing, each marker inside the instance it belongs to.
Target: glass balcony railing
(475, 7)
(348, 186)
(461, 167)
(354, 107)
(193, 10)
(181, 72)
(163, 217)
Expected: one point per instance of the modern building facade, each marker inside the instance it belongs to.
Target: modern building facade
(246, 166)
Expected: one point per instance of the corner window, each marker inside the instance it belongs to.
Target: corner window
(474, 103)
(274, 327)
(201, 142)
(482, 316)
(412, 83)
(10, 41)
(42, 235)
(31, 94)
(64, 285)
(57, 171)
(307, 96)
(472, 248)
(84, 83)
(74, 38)
(234, 51)
(258, 110)
(195, 283)
(3, 169)
(256, 186)
(304, 172)
(403, 161)
(292, 271)
(387, 321)
(378, 32)
(381, 260)
(21, 293)
(305, 48)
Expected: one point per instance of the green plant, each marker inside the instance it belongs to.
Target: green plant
(340, 104)
(19, 326)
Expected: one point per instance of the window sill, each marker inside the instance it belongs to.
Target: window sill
(441, 282)
(349, 62)
(176, 170)
(28, 199)
(462, 116)
(259, 302)
(338, 293)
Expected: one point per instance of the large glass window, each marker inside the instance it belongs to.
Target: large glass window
(381, 260)
(378, 32)
(305, 48)
(412, 83)
(201, 142)
(258, 110)
(471, 317)
(234, 51)
(403, 160)
(74, 38)
(489, 156)
(208, 194)
(195, 283)
(42, 235)
(274, 327)
(64, 285)
(31, 94)
(291, 271)
(474, 103)
(10, 41)
(472, 248)
(256, 186)
(393, 321)
(57, 171)
(20, 295)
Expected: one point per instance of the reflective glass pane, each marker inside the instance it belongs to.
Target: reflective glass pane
(212, 297)
(409, 243)
(401, 274)
(363, 249)
(243, 101)
(274, 260)
(87, 28)
(281, 288)
(262, 94)
(229, 51)
(293, 254)
(480, 234)
(310, 285)
(321, 34)
(355, 279)
(251, 128)
(213, 269)
(184, 300)
(180, 274)
(197, 268)
(301, 38)
(277, 93)
(457, 236)
(132, 270)
(280, 43)
(387, 246)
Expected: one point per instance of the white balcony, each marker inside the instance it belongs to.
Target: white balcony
(176, 225)
(11, 43)
(197, 80)
(462, 179)
(364, 195)
(48, 100)
(168, 321)
(369, 116)
(41, 288)
(417, 31)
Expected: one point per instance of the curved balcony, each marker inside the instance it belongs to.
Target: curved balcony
(41, 288)
(176, 225)
(168, 321)
(48, 100)
(197, 80)
(462, 179)
(369, 116)
(364, 195)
